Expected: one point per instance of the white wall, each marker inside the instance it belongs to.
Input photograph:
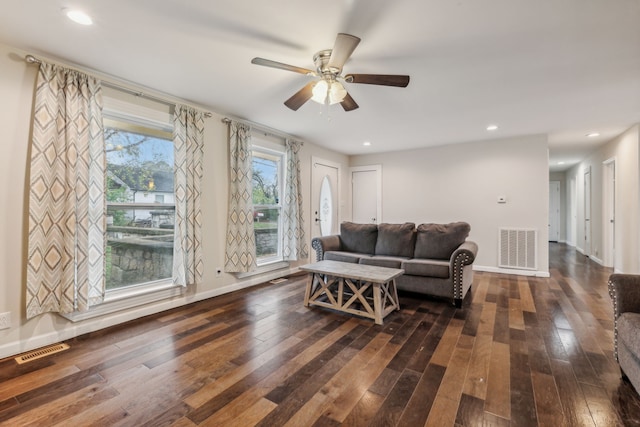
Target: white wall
(17, 81)
(462, 182)
(624, 149)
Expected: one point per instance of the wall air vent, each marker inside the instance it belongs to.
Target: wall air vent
(517, 248)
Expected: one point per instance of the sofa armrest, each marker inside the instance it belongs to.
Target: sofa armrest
(624, 290)
(324, 244)
(465, 254)
(462, 257)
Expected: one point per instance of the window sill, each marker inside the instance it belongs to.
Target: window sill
(265, 268)
(123, 299)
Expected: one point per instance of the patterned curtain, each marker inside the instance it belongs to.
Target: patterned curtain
(295, 245)
(66, 244)
(188, 139)
(240, 253)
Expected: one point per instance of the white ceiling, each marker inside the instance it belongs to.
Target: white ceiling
(558, 67)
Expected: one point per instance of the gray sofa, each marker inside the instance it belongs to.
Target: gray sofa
(437, 258)
(625, 293)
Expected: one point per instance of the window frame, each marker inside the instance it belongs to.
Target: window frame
(273, 152)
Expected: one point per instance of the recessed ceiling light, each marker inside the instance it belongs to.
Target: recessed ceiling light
(366, 143)
(492, 127)
(592, 134)
(79, 17)
(561, 163)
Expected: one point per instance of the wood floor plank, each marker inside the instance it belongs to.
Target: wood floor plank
(523, 409)
(421, 402)
(548, 408)
(475, 383)
(393, 405)
(443, 412)
(574, 404)
(498, 399)
(364, 411)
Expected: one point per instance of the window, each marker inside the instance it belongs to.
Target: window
(140, 204)
(267, 191)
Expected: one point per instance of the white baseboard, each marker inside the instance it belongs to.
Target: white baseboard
(499, 270)
(598, 260)
(75, 329)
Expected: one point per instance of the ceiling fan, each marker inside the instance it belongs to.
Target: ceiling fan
(328, 89)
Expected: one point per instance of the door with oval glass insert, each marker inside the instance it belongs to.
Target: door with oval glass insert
(324, 197)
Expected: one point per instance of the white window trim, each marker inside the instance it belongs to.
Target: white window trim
(129, 297)
(264, 268)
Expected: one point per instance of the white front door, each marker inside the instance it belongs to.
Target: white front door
(324, 197)
(366, 202)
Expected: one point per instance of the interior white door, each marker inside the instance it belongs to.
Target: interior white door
(587, 212)
(572, 227)
(325, 187)
(609, 210)
(366, 205)
(554, 211)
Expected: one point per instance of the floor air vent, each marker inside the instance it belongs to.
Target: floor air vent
(41, 352)
(518, 248)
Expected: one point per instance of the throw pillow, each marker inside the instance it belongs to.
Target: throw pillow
(438, 241)
(360, 238)
(396, 239)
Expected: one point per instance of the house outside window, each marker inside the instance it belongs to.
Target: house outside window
(140, 204)
(267, 203)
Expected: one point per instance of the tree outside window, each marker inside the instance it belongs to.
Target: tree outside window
(267, 188)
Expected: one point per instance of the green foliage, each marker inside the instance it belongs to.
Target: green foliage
(264, 192)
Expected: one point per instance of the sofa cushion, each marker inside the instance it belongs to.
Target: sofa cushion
(628, 327)
(359, 238)
(439, 241)
(426, 267)
(342, 256)
(383, 261)
(396, 239)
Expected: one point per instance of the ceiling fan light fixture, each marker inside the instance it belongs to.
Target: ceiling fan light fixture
(337, 93)
(320, 92)
(331, 92)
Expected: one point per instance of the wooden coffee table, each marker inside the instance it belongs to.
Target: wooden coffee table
(352, 288)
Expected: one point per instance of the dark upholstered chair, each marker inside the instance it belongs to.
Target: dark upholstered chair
(625, 293)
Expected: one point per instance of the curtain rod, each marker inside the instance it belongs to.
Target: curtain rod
(30, 59)
(262, 129)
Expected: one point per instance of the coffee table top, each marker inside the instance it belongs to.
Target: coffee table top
(368, 273)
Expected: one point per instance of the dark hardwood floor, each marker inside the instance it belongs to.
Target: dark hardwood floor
(522, 352)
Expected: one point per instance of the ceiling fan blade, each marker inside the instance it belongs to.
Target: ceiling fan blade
(342, 49)
(378, 79)
(301, 96)
(348, 103)
(281, 66)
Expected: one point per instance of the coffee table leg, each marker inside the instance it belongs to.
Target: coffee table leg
(377, 304)
(395, 294)
(307, 291)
